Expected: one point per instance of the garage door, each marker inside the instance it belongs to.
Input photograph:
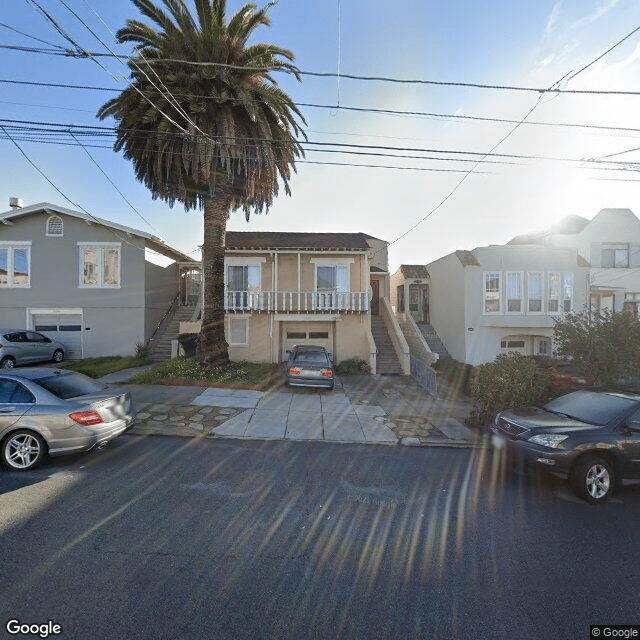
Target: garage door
(316, 333)
(66, 328)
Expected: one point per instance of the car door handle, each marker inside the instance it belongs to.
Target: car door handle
(7, 409)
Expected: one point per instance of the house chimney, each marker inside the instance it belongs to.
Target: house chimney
(15, 203)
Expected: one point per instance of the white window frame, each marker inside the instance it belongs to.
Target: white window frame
(485, 298)
(549, 298)
(563, 299)
(238, 319)
(48, 231)
(11, 246)
(100, 248)
(254, 267)
(520, 275)
(332, 262)
(530, 275)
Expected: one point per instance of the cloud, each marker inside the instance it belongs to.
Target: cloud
(601, 10)
(552, 21)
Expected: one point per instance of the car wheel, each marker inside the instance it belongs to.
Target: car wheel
(593, 479)
(7, 363)
(22, 450)
(58, 355)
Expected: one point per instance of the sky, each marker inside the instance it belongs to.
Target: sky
(561, 153)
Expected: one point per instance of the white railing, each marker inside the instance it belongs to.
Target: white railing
(296, 301)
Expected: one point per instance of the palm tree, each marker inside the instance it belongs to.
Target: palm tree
(205, 124)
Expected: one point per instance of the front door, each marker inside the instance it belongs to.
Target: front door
(375, 297)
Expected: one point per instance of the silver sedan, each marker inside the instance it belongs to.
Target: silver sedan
(18, 346)
(53, 412)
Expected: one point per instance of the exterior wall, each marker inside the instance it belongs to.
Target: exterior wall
(266, 335)
(457, 305)
(447, 297)
(161, 287)
(113, 318)
(610, 226)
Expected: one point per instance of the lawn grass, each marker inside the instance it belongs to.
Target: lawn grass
(188, 371)
(98, 367)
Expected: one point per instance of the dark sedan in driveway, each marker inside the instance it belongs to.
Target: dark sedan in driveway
(52, 412)
(593, 438)
(310, 366)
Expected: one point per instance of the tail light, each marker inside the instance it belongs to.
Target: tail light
(294, 372)
(327, 373)
(86, 418)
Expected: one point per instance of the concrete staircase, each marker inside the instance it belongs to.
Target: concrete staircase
(387, 362)
(160, 345)
(433, 340)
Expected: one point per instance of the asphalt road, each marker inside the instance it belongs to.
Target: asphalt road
(182, 538)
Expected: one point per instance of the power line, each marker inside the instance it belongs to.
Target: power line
(386, 79)
(336, 107)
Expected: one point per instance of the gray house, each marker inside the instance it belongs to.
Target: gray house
(83, 281)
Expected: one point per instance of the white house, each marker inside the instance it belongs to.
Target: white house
(504, 298)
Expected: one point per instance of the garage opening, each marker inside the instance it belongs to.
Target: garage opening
(315, 333)
(65, 328)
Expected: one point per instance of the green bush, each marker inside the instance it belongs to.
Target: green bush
(457, 374)
(353, 367)
(511, 380)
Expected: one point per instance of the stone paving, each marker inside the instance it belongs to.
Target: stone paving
(367, 409)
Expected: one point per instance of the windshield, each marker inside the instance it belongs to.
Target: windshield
(311, 357)
(68, 385)
(594, 408)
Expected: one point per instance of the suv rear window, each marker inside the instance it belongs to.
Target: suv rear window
(68, 385)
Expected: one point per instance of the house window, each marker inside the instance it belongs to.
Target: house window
(492, 283)
(243, 283)
(615, 256)
(100, 265)
(238, 331)
(331, 282)
(567, 292)
(514, 292)
(553, 304)
(15, 264)
(55, 226)
(536, 279)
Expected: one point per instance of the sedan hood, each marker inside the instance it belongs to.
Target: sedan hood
(534, 420)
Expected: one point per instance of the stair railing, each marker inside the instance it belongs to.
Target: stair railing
(172, 306)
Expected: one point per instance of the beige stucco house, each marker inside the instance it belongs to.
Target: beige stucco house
(284, 289)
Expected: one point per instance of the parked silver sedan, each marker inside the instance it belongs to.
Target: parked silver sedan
(18, 346)
(52, 412)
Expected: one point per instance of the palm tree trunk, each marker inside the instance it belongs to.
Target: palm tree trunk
(212, 344)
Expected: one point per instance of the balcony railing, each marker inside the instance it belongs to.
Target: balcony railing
(296, 301)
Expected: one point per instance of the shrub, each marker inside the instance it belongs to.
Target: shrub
(457, 374)
(142, 351)
(353, 367)
(511, 380)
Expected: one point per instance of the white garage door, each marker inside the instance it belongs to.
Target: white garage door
(66, 328)
(316, 333)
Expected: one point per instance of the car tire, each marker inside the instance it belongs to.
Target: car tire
(7, 363)
(593, 479)
(58, 355)
(23, 450)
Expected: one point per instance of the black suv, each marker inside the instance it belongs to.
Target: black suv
(593, 438)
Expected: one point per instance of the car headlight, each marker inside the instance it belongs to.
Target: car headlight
(551, 440)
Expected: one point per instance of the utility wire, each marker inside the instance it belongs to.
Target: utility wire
(317, 74)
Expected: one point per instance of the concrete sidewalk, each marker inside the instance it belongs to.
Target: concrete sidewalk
(361, 409)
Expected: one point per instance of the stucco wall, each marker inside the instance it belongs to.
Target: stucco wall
(113, 318)
(161, 287)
